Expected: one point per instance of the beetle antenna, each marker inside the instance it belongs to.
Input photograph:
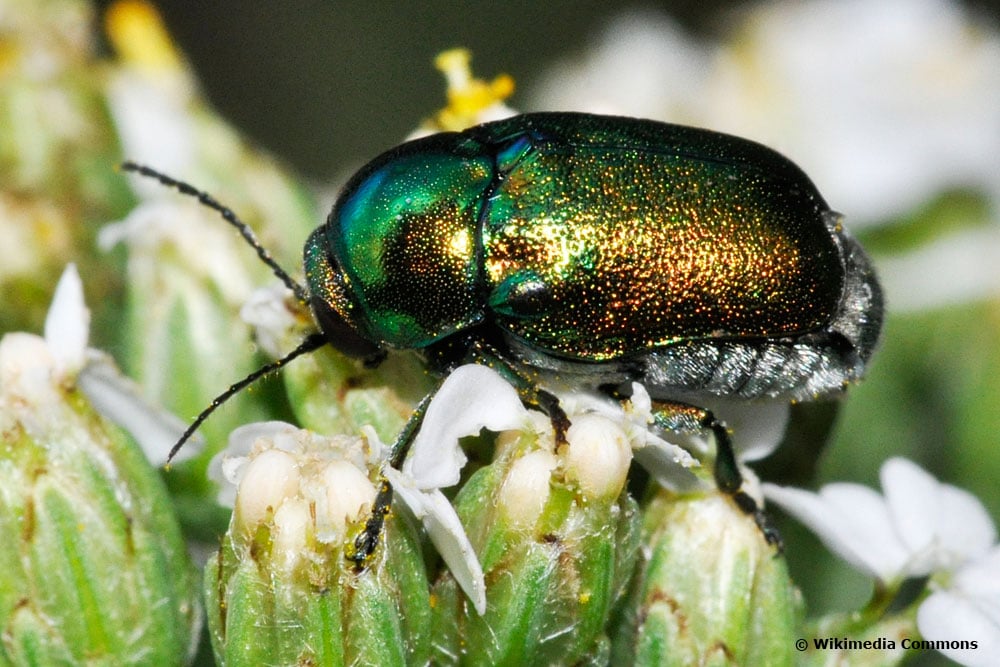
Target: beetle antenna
(311, 343)
(227, 214)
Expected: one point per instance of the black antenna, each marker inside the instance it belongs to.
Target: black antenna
(300, 292)
(311, 343)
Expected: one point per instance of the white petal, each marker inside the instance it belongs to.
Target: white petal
(852, 521)
(669, 465)
(941, 525)
(67, 324)
(227, 467)
(954, 616)
(757, 427)
(473, 397)
(119, 399)
(267, 312)
(982, 578)
(446, 532)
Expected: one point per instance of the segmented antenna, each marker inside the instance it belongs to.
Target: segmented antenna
(312, 342)
(227, 214)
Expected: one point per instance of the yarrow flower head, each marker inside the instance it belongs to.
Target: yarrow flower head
(918, 527)
(549, 527)
(95, 567)
(72, 362)
(280, 589)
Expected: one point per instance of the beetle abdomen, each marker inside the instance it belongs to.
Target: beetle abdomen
(604, 241)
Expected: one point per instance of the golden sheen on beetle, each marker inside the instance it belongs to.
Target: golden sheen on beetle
(613, 248)
(601, 250)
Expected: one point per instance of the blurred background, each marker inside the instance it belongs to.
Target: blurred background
(326, 85)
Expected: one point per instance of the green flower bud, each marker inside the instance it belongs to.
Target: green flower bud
(280, 590)
(710, 590)
(557, 540)
(93, 569)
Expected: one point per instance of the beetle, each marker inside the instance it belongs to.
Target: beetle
(600, 250)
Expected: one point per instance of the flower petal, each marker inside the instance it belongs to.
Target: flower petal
(941, 525)
(472, 398)
(982, 578)
(968, 611)
(67, 324)
(853, 521)
(120, 399)
(446, 532)
(669, 465)
(759, 426)
(266, 311)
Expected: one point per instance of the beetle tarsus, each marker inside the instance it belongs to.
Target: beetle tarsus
(365, 543)
(367, 540)
(763, 520)
(550, 405)
(685, 418)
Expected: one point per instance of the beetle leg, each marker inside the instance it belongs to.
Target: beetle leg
(549, 404)
(531, 394)
(689, 419)
(448, 354)
(366, 541)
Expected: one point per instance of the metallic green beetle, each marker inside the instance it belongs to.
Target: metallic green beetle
(605, 250)
(612, 248)
(600, 250)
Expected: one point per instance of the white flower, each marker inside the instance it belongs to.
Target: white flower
(34, 369)
(272, 464)
(917, 527)
(473, 397)
(308, 485)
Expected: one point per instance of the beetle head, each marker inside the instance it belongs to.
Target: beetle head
(336, 312)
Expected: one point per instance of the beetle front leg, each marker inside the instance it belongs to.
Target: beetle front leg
(532, 396)
(689, 419)
(449, 354)
(366, 541)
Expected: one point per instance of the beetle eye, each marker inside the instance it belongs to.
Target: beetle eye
(341, 333)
